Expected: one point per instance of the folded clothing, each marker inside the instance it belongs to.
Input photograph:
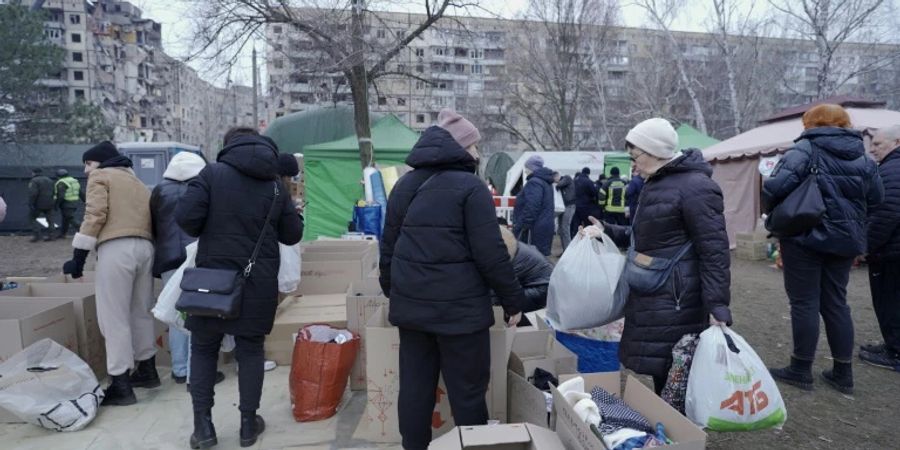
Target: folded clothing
(617, 415)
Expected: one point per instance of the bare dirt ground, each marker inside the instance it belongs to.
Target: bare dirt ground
(823, 419)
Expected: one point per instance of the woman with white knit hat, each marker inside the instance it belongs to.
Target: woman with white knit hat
(680, 212)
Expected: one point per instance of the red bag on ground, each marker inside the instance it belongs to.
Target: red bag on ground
(320, 368)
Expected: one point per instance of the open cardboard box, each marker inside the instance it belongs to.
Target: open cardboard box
(576, 435)
(332, 273)
(91, 346)
(380, 422)
(520, 436)
(534, 348)
(363, 298)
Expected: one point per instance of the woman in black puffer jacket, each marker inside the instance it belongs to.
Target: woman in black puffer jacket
(226, 208)
(817, 263)
(679, 203)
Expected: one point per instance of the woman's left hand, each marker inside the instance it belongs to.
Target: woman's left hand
(713, 322)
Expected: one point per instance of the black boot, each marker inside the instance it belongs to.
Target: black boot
(146, 376)
(252, 426)
(840, 378)
(798, 374)
(204, 432)
(119, 392)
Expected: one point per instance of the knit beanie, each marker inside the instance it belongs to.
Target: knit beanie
(100, 153)
(287, 165)
(463, 132)
(654, 136)
(826, 115)
(534, 163)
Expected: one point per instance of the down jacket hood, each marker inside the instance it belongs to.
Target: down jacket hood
(437, 149)
(184, 166)
(254, 156)
(841, 143)
(691, 160)
(544, 174)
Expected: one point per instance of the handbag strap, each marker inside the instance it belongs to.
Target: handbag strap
(419, 189)
(805, 144)
(262, 234)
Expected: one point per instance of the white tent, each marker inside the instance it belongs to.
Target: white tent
(566, 163)
(735, 161)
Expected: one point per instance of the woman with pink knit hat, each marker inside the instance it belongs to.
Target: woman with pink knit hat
(441, 256)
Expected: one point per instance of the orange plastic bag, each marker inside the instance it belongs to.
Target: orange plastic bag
(319, 374)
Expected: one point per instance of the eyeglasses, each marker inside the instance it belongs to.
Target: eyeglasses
(634, 158)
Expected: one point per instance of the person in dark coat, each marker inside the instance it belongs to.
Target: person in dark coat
(169, 242)
(586, 193)
(535, 210)
(441, 256)
(225, 207)
(532, 269)
(817, 263)
(632, 194)
(884, 253)
(680, 204)
(566, 187)
(40, 204)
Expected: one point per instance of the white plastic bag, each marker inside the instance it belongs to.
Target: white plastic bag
(164, 310)
(582, 291)
(289, 270)
(49, 386)
(729, 387)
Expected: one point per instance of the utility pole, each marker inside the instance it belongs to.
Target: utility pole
(255, 91)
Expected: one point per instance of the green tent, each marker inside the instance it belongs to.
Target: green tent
(617, 159)
(297, 130)
(333, 174)
(496, 169)
(690, 137)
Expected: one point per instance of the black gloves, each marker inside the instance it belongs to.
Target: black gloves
(75, 266)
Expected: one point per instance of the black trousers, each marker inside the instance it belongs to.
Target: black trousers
(204, 358)
(615, 218)
(67, 211)
(465, 362)
(884, 279)
(816, 284)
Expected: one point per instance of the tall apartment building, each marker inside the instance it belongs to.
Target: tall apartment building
(114, 58)
(468, 62)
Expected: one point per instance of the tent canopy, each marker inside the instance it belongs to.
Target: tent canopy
(735, 161)
(690, 137)
(497, 167)
(333, 174)
(297, 130)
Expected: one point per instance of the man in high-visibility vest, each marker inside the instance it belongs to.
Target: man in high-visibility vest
(67, 194)
(612, 197)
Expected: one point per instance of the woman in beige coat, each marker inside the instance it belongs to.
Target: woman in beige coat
(117, 224)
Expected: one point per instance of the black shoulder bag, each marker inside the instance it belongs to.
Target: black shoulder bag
(803, 209)
(219, 292)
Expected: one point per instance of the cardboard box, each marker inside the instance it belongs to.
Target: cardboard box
(534, 349)
(91, 346)
(520, 436)
(290, 317)
(576, 435)
(332, 273)
(380, 422)
(363, 299)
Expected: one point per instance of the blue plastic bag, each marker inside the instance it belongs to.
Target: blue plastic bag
(368, 219)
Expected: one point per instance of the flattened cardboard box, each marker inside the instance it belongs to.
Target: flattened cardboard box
(576, 435)
(290, 317)
(26, 320)
(332, 273)
(532, 349)
(380, 422)
(363, 299)
(519, 436)
(91, 346)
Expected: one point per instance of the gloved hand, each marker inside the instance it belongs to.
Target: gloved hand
(75, 266)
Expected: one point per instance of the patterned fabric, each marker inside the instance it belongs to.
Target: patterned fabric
(675, 389)
(617, 415)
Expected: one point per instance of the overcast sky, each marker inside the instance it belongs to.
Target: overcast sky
(176, 25)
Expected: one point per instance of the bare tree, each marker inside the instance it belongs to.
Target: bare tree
(725, 12)
(549, 85)
(662, 13)
(338, 31)
(833, 23)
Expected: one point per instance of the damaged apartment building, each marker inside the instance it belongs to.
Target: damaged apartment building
(114, 58)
